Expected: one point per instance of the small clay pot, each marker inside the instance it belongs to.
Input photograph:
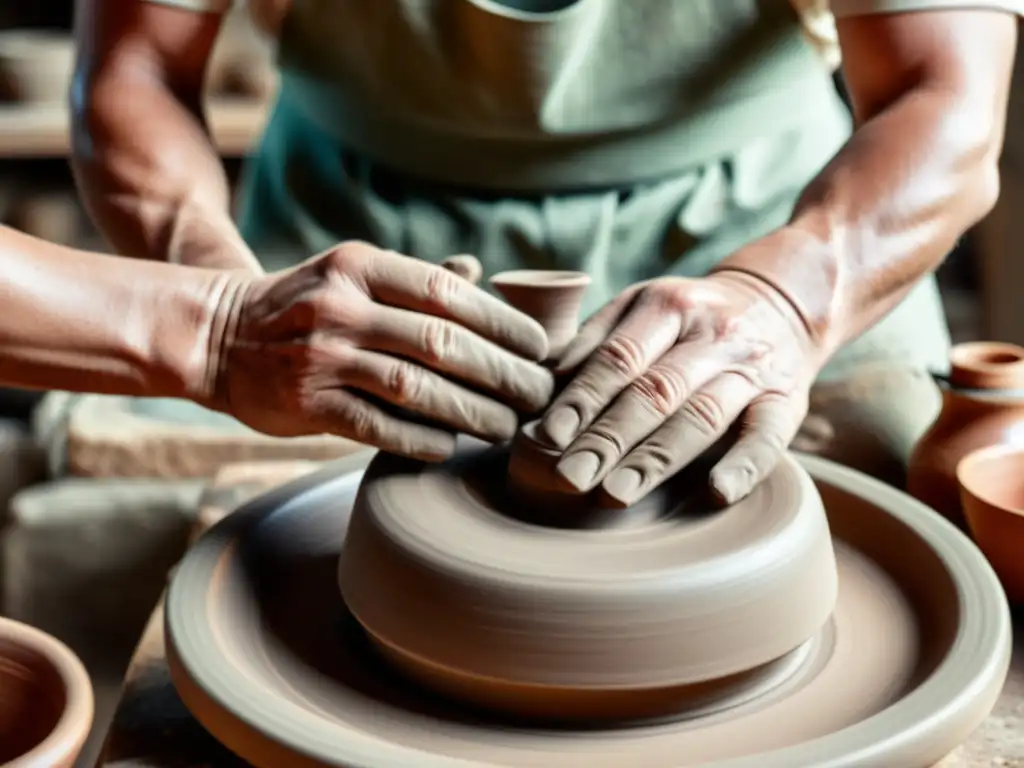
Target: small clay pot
(46, 700)
(551, 298)
(992, 493)
(35, 66)
(982, 405)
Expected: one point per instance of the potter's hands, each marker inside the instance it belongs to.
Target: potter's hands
(668, 367)
(348, 341)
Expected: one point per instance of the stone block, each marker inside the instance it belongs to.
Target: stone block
(162, 438)
(86, 560)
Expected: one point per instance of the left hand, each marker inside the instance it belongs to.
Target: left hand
(668, 366)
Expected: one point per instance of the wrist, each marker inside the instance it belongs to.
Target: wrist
(804, 272)
(190, 332)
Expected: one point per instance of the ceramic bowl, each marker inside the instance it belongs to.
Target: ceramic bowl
(46, 700)
(992, 494)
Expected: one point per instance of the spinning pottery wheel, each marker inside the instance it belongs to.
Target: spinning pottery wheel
(486, 618)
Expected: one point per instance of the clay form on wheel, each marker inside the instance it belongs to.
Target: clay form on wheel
(551, 298)
(592, 613)
(992, 491)
(982, 405)
(46, 701)
(266, 654)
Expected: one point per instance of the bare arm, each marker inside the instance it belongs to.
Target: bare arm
(143, 158)
(930, 92)
(86, 322)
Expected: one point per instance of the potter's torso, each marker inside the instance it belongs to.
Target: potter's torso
(549, 94)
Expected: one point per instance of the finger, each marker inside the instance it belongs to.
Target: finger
(645, 405)
(596, 329)
(645, 334)
(691, 431)
(429, 289)
(348, 415)
(769, 425)
(465, 266)
(420, 391)
(447, 347)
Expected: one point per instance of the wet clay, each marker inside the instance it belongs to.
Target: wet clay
(992, 493)
(46, 703)
(575, 611)
(267, 655)
(982, 405)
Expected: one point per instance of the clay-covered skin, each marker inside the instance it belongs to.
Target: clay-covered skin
(358, 342)
(665, 368)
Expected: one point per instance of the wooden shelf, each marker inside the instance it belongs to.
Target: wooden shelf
(40, 131)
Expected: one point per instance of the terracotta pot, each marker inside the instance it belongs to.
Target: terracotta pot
(992, 492)
(551, 298)
(982, 405)
(46, 700)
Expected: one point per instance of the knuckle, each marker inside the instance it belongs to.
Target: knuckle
(439, 340)
(441, 287)
(404, 383)
(663, 390)
(623, 355)
(364, 426)
(604, 439)
(347, 255)
(654, 458)
(704, 412)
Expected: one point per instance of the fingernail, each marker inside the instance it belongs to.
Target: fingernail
(730, 485)
(580, 469)
(561, 425)
(624, 485)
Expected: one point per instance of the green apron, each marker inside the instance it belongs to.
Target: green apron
(625, 139)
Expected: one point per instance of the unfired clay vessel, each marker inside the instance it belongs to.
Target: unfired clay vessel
(46, 700)
(266, 654)
(982, 405)
(992, 491)
(552, 298)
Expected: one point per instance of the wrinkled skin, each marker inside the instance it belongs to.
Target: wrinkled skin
(664, 371)
(303, 348)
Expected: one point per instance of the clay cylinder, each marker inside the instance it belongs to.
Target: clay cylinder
(551, 298)
(46, 700)
(982, 405)
(535, 485)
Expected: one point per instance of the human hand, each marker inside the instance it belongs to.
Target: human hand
(309, 350)
(667, 367)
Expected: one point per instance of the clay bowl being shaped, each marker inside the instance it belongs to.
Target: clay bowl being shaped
(267, 655)
(992, 493)
(596, 614)
(46, 700)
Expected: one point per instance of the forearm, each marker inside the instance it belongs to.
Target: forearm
(930, 91)
(882, 215)
(144, 161)
(92, 323)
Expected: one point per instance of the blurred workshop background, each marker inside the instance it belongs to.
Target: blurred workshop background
(87, 542)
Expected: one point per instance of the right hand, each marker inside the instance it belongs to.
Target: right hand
(308, 350)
